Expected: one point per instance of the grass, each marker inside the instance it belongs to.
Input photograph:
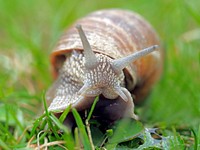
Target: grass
(28, 32)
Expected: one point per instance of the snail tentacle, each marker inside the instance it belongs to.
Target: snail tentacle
(83, 90)
(90, 58)
(119, 64)
(121, 93)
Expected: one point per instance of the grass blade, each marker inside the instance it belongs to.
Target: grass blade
(64, 114)
(59, 124)
(67, 134)
(36, 125)
(4, 145)
(51, 126)
(81, 127)
(92, 108)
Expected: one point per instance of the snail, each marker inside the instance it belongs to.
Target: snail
(114, 54)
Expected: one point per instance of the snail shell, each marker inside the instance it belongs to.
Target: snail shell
(111, 34)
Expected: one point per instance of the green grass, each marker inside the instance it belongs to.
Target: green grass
(28, 32)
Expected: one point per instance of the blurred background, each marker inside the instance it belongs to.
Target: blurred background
(30, 29)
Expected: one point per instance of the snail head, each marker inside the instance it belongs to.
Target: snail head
(104, 75)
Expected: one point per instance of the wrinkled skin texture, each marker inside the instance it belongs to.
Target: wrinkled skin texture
(124, 33)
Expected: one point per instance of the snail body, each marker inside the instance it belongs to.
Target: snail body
(109, 53)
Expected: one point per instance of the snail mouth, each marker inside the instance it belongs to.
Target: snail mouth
(107, 92)
(110, 110)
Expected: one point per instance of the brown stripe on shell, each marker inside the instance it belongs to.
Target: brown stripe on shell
(93, 27)
(117, 22)
(109, 34)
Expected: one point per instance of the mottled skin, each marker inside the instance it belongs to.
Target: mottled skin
(116, 33)
(73, 75)
(103, 63)
(83, 77)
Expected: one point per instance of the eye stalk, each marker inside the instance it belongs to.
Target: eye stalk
(104, 75)
(119, 64)
(90, 58)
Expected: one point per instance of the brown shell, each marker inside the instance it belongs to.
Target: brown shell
(116, 33)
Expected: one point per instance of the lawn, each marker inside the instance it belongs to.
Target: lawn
(28, 32)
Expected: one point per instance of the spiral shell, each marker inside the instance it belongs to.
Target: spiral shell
(116, 34)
